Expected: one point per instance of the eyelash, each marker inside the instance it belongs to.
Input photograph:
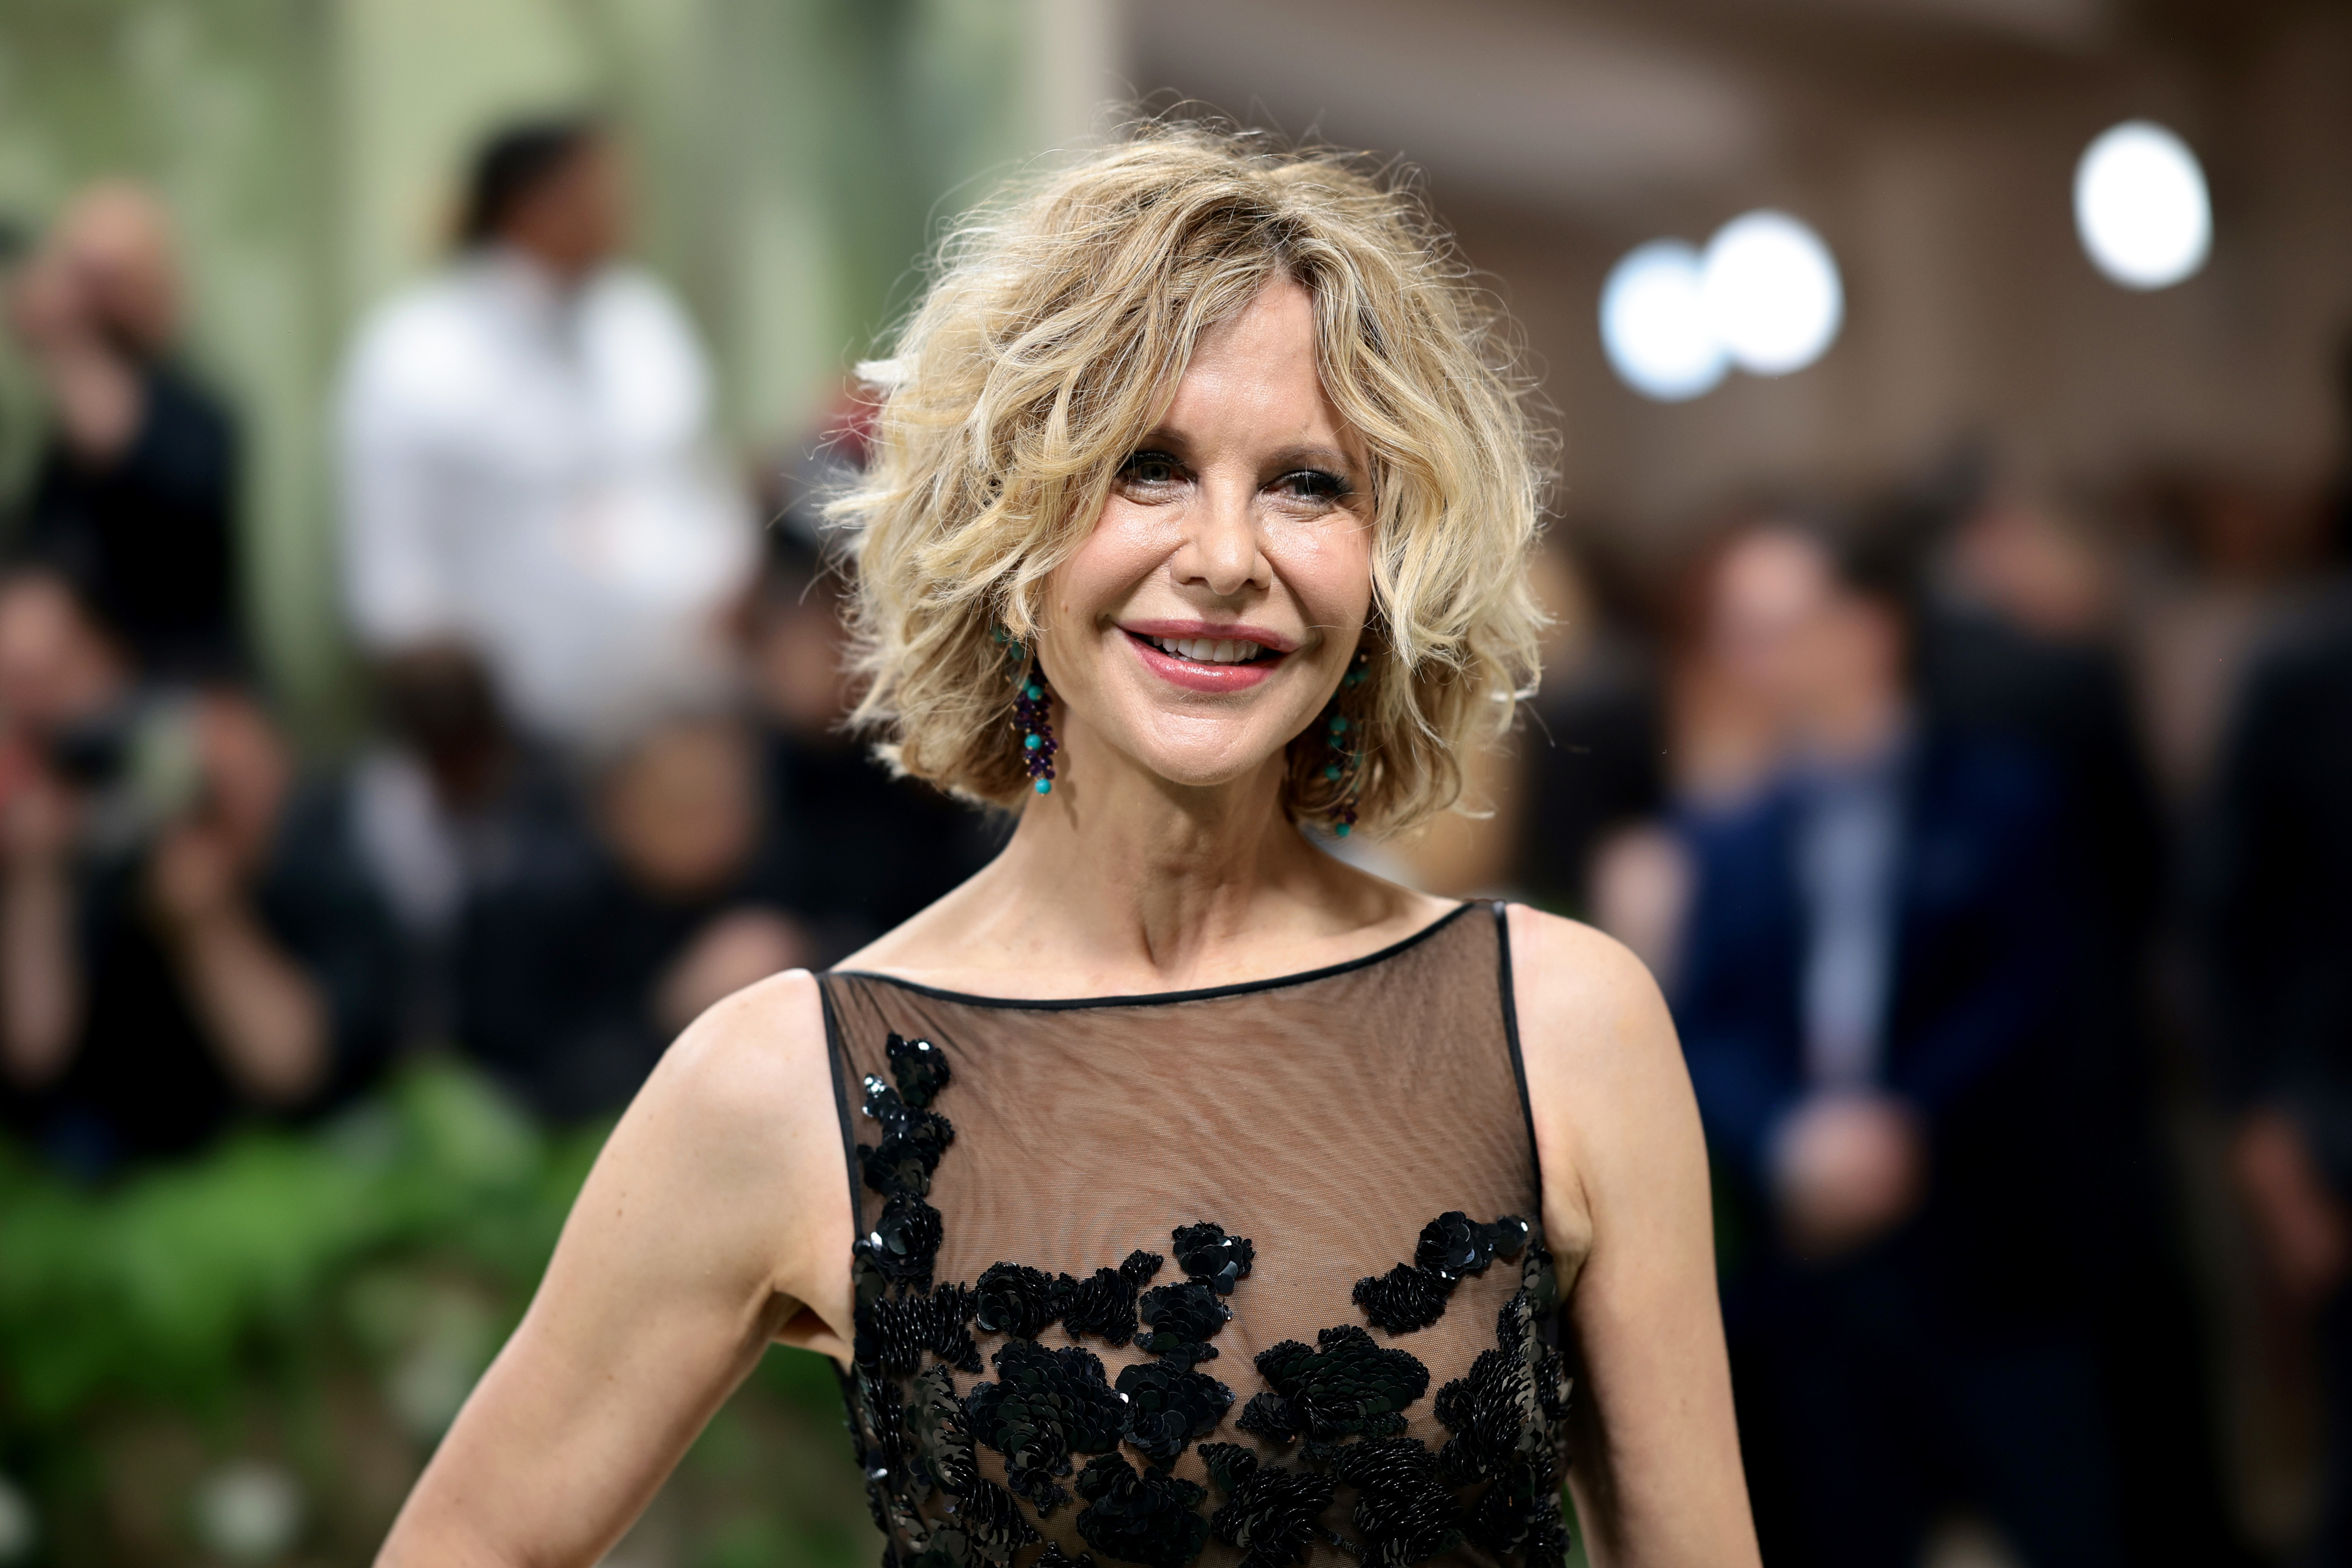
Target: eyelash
(1314, 483)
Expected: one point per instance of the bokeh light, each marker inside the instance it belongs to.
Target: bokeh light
(1653, 324)
(2140, 206)
(1771, 293)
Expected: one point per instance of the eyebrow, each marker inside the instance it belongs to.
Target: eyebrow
(1315, 458)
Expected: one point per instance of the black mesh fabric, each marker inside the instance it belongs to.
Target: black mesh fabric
(1360, 1123)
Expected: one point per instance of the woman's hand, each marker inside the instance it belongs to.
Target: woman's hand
(1627, 1212)
(717, 1221)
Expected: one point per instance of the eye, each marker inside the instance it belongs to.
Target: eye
(1150, 470)
(1313, 485)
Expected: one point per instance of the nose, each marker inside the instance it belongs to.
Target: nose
(1221, 551)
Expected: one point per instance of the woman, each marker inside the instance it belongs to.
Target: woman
(1207, 1199)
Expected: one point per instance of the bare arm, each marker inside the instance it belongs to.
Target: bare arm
(265, 1019)
(40, 979)
(1657, 1476)
(716, 1211)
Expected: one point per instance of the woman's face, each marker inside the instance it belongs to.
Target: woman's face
(1212, 612)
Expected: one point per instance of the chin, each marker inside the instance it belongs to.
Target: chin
(1207, 764)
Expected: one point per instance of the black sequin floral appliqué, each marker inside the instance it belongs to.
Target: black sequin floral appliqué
(1045, 1406)
(1346, 1386)
(1334, 1469)
(1153, 1518)
(1272, 1513)
(1453, 1246)
(1218, 1261)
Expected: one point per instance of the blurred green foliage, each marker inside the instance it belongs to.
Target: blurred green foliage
(173, 1285)
(323, 1301)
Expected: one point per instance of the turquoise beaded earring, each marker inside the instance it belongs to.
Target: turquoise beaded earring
(1346, 765)
(1032, 714)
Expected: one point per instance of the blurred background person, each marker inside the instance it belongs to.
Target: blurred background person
(2017, 642)
(184, 937)
(542, 549)
(1870, 991)
(133, 498)
(527, 474)
(2276, 904)
(851, 849)
(605, 933)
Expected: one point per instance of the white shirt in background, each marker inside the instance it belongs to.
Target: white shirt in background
(527, 470)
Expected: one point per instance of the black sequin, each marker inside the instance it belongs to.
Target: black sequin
(1218, 1261)
(892, 1335)
(905, 1242)
(1166, 1408)
(1104, 1303)
(1151, 1519)
(897, 1166)
(1404, 1298)
(991, 1523)
(927, 1129)
(1182, 1318)
(1509, 1418)
(1045, 1405)
(1347, 1386)
(1269, 1416)
(1015, 1299)
(943, 1439)
(1404, 1515)
(1272, 1513)
(1452, 1247)
(920, 1068)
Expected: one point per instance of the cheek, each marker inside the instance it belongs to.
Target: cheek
(1329, 567)
(1124, 546)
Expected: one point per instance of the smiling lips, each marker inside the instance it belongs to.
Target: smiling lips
(1199, 659)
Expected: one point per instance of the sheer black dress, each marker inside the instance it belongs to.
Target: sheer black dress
(1251, 1275)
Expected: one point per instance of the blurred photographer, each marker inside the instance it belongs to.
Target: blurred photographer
(599, 939)
(134, 499)
(183, 936)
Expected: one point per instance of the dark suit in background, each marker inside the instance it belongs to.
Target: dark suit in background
(148, 537)
(1947, 1362)
(2068, 700)
(2277, 901)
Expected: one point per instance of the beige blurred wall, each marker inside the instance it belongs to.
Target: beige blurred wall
(1932, 145)
(793, 159)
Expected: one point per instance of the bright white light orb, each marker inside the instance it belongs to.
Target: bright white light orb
(1655, 327)
(2141, 207)
(1771, 292)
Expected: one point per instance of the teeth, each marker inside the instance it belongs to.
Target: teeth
(1208, 651)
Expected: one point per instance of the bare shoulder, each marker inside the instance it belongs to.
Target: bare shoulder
(1607, 1088)
(749, 1067)
(736, 1138)
(1582, 993)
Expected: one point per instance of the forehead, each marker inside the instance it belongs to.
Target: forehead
(1260, 363)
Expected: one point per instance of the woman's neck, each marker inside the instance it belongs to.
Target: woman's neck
(1122, 882)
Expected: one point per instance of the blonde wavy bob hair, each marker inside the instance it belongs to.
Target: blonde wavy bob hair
(1052, 337)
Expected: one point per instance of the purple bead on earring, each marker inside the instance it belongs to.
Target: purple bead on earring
(1347, 758)
(1032, 715)
(1032, 712)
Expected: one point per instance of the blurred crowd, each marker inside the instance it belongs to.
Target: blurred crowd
(1994, 847)
(602, 785)
(1991, 845)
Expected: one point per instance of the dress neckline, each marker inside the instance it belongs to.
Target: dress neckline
(1163, 998)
